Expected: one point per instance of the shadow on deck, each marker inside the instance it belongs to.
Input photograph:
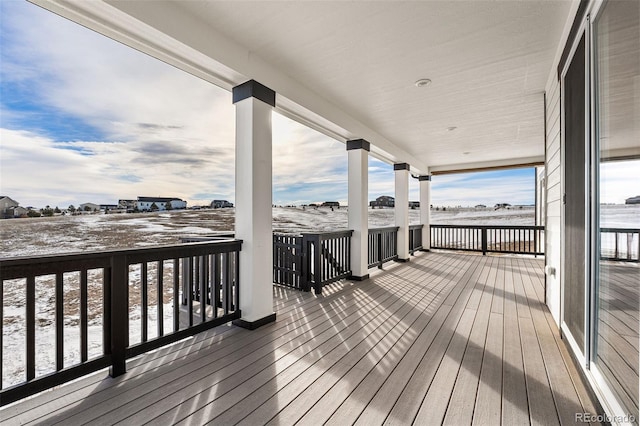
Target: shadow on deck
(445, 338)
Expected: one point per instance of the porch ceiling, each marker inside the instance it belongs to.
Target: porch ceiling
(348, 68)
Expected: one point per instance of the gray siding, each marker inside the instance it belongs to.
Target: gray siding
(554, 197)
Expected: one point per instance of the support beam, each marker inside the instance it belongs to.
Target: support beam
(425, 211)
(358, 153)
(402, 209)
(254, 103)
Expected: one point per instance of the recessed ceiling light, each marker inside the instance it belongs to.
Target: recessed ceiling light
(451, 129)
(423, 82)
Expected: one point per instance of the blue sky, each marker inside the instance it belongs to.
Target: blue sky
(85, 119)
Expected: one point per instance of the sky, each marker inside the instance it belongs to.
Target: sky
(86, 119)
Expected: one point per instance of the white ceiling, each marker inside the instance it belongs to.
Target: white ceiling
(348, 68)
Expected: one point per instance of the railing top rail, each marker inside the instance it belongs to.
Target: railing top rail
(627, 230)
(213, 237)
(70, 261)
(418, 226)
(530, 227)
(330, 234)
(384, 229)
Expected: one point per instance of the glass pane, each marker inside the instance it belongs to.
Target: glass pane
(617, 35)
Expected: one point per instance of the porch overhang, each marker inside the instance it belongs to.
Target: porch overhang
(348, 70)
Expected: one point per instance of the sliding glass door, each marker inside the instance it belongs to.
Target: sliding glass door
(616, 271)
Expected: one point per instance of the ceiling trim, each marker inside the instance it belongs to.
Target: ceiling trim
(488, 166)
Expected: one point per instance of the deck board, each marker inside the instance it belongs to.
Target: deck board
(444, 338)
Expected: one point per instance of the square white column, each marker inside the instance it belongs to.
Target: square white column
(358, 176)
(425, 210)
(402, 209)
(253, 226)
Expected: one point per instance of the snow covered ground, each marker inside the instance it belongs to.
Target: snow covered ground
(63, 234)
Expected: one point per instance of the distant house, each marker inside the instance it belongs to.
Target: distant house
(7, 206)
(220, 204)
(20, 212)
(127, 205)
(383, 201)
(89, 207)
(330, 204)
(147, 204)
(106, 207)
(633, 200)
(414, 204)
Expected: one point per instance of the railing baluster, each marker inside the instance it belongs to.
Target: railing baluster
(160, 298)
(213, 299)
(59, 321)
(106, 309)
(317, 269)
(84, 337)
(381, 253)
(227, 283)
(484, 241)
(203, 289)
(176, 295)
(190, 284)
(31, 327)
(119, 314)
(185, 281)
(144, 281)
(236, 287)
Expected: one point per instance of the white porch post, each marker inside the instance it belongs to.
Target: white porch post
(425, 210)
(358, 153)
(254, 103)
(402, 209)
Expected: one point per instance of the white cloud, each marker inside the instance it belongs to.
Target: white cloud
(619, 181)
(162, 131)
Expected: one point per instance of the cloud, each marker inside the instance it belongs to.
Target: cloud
(146, 128)
(619, 181)
(307, 165)
(514, 186)
(84, 118)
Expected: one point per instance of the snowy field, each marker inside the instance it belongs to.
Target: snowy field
(64, 234)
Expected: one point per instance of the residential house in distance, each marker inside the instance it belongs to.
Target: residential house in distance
(20, 211)
(89, 207)
(7, 206)
(331, 204)
(146, 204)
(414, 205)
(128, 205)
(220, 204)
(383, 201)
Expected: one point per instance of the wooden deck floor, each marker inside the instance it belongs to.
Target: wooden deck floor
(445, 338)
